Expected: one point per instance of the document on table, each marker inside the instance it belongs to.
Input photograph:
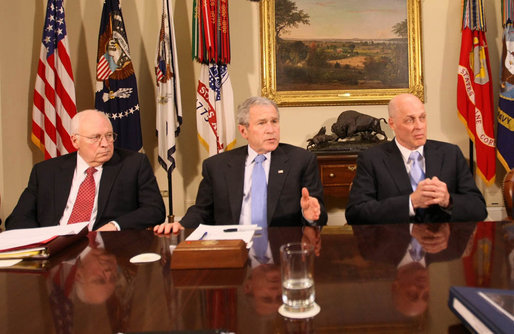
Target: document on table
(39, 235)
(225, 232)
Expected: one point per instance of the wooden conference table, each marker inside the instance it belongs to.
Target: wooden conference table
(362, 281)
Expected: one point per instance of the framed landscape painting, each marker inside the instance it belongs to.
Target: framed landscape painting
(340, 52)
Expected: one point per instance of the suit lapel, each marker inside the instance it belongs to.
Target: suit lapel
(62, 183)
(433, 160)
(396, 167)
(110, 172)
(277, 175)
(234, 179)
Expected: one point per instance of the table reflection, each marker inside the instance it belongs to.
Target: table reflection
(381, 278)
(412, 248)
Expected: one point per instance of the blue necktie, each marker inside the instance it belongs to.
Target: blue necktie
(258, 197)
(416, 250)
(416, 172)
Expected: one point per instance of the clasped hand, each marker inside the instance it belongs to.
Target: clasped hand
(433, 240)
(430, 191)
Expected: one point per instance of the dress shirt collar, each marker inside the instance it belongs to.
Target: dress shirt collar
(252, 154)
(82, 166)
(406, 152)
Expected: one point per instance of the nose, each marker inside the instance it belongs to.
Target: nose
(269, 127)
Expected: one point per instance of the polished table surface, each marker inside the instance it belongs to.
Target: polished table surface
(364, 282)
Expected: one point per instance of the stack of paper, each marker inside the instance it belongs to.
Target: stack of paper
(225, 232)
(38, 242)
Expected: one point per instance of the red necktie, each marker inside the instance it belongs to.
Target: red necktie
(85, 199)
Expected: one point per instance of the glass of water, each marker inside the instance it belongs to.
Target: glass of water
(297, 268)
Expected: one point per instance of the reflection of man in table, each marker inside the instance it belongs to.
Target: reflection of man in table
(411, 248)
(96, 277)
(264, 282)
(264, 285)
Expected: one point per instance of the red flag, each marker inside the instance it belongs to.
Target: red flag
(475, 100)
(54, 92)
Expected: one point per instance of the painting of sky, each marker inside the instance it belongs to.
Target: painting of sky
(348, 19)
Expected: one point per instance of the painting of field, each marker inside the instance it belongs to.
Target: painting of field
(341, 45)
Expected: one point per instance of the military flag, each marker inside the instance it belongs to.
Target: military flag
(215, 109)
(505, 118)
(474, 89)
(116, 87)
(54, 91)
(214, 100)
(169, 106)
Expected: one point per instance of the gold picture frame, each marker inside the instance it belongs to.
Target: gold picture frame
(350, 95)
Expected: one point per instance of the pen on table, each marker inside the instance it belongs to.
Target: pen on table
(203, 235)
(241, 229)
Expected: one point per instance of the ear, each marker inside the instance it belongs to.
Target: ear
(391, 122)
(75, 141)
(243, 131)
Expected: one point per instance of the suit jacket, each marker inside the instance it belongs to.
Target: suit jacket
(381, 187)
(128, 193)
(220, 194)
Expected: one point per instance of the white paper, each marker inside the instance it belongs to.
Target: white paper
(216, 232)
(28, 236)
(8, 263)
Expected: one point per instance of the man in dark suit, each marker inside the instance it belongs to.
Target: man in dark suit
(382, 190)
(294, 190)
(125, 193)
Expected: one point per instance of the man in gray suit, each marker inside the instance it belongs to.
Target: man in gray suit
(125, 192)
(383, 190)
(294, 189)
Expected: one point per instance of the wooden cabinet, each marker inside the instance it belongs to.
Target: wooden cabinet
(337, 171)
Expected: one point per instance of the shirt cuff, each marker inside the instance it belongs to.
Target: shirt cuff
(311, 222)
(412, 213)
(115, 225)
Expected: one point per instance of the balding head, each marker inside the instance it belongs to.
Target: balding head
(407, 118)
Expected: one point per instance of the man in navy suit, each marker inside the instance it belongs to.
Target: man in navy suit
(126, 195)
(294, 189)
(382, 191)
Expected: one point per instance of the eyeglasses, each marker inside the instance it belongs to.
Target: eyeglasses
(109, 137)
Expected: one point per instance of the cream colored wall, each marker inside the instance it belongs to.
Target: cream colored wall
(21, 23)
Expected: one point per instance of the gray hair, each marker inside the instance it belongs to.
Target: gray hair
(75, 121)
(243, 110)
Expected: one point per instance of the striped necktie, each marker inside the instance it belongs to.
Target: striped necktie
(416, 173)
(259, 197)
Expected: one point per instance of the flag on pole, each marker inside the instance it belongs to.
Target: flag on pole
(215, 109)
(214, 99)
(169, 106)
(474, 89)
(505, 129)
(54, 91)
(116, 87)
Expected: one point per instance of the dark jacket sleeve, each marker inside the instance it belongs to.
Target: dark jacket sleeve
(134, 201)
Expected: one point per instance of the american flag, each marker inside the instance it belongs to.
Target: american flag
(54, 92)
